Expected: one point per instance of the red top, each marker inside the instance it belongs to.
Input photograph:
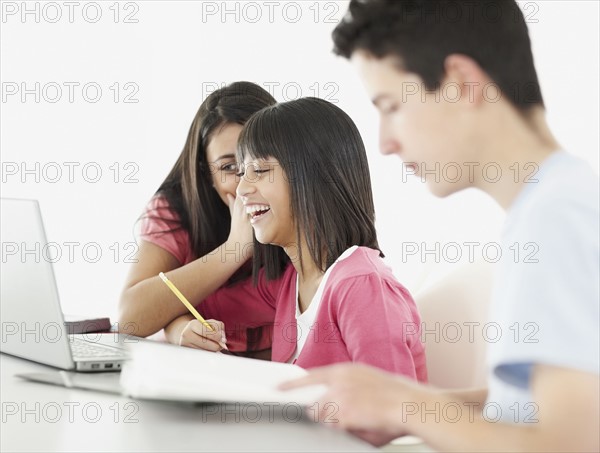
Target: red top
(157, 221)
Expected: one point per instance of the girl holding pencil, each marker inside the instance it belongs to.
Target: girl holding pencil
(307, 191)
(195, 230)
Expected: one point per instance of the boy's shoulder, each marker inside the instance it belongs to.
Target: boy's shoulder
(562, 188)
(564, 177)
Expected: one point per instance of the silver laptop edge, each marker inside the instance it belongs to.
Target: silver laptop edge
(32, 321)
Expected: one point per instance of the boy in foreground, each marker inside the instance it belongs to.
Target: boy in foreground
(456, 88)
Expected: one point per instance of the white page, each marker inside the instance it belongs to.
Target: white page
(163, 371)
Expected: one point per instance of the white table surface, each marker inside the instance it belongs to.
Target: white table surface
(42, 417)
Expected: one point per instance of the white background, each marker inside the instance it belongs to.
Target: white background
(171, 57)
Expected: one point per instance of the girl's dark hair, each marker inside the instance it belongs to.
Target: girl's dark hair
(323, 158)
(422, 33)
(188, 186)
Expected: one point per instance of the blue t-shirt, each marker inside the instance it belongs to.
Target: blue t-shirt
(546, 294)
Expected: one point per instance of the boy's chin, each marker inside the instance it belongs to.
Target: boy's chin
(444, 189)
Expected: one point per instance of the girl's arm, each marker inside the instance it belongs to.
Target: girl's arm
(376, 320)
(147, 305)
(187, 331)
(244, 308)
(175, 328)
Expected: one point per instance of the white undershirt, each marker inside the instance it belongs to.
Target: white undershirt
(306, 320)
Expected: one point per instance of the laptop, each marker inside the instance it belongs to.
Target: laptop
(32, 322)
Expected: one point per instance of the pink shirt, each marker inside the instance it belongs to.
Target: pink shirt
(157, 220)
(365, 316)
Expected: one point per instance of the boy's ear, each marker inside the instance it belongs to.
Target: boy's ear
(464, 72)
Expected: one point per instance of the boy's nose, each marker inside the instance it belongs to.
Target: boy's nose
(388, 144)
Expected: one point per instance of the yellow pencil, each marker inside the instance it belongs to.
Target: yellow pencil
(186, 302)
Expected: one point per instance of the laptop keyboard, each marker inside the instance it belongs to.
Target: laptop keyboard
(84, 350)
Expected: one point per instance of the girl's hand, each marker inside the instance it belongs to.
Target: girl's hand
(240, 234)
(197, 335)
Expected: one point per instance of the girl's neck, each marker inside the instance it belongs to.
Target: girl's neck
(309, 275)
(302, 261)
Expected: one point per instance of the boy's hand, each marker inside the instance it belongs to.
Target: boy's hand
(363, 400)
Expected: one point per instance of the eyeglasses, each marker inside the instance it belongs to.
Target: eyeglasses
(220, 166)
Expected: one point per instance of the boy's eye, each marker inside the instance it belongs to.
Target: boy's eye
(389, 109)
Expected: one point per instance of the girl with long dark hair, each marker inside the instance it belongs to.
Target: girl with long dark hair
(194, 229)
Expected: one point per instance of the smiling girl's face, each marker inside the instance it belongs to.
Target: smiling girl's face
(220, 155)
(265, 193)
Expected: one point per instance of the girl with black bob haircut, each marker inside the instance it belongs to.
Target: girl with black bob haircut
(332, 203)
(306, 188)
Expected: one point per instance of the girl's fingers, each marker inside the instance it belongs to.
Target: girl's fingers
(202, 343)
(217, 335)
(231, 202)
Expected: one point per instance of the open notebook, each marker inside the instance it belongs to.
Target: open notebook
(167, 372)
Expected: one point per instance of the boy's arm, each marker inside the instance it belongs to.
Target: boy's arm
(566, 418)
(379, 406)
(473, 396)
